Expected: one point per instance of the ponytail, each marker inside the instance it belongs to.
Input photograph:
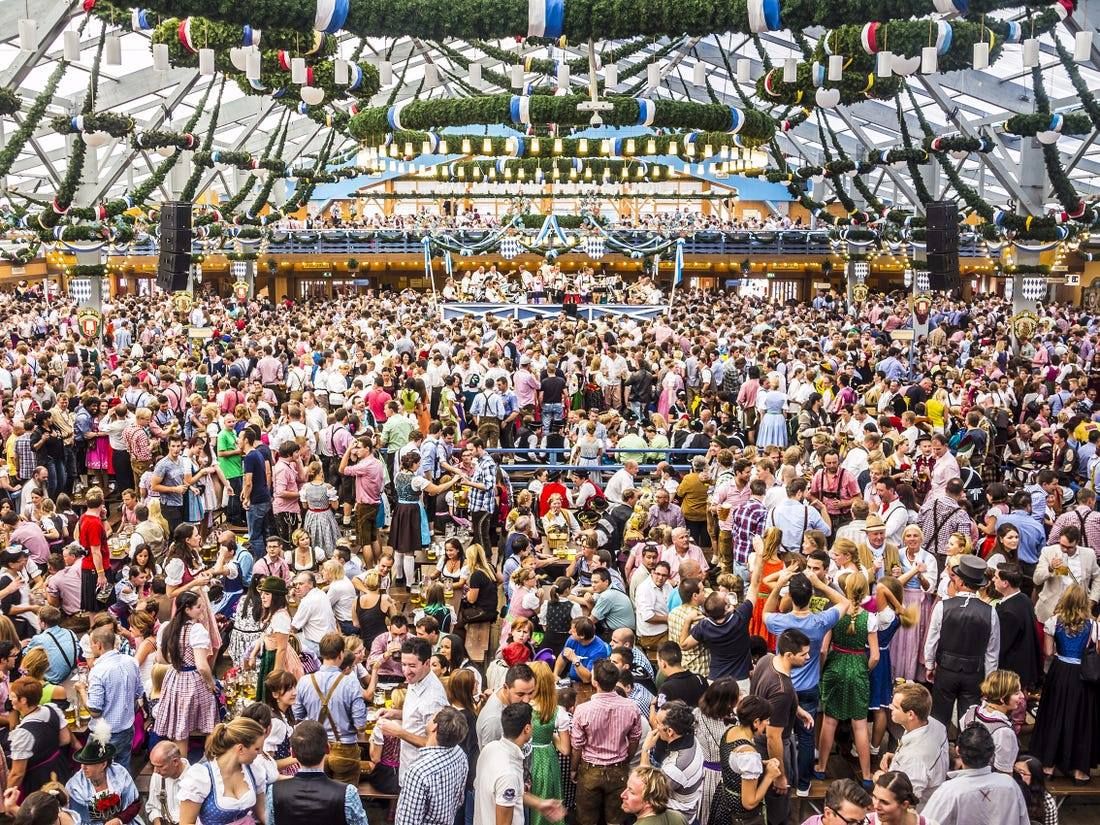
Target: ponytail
(227, 735)
(891, 591)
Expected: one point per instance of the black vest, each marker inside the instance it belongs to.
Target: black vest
(309, 796)
(964, 635)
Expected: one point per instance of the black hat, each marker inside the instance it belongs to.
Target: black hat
(98, 749)
(972, 570)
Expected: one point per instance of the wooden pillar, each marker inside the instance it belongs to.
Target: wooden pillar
(387, 203)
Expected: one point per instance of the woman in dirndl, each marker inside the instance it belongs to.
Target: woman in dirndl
(184, 573)
(275, 636)
(225, 788)
(918, 577)
(409, 531)
(188, 703)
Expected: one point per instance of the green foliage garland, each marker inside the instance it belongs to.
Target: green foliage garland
(1084, 93)
(551, 169)
(1074, 123)
(278, 82)
(583, 19)
(541, 65)
(18, 139)
(221, 37)
(188, 193)
(9, 102)
(117, 126)
(562, 110)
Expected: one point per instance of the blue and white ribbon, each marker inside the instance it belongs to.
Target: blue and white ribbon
(426, 243)
(519, 108)
(279, 93)
(1015, 32)
(550, 227)
(817, 74)
(1056, 123)
(250, 36)
(763, 16)
(678, 262)
(943, 37)
(545, 18)
(737, 120)
(77, 123)
(393, 114)
(517, 147)
(647, 111)
(303, 108)
(139, 21)
(356, 77)
(448, 262)
(952, 8)
(331, 15)
(257, 85)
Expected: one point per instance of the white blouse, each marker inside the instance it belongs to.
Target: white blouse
(195, 787)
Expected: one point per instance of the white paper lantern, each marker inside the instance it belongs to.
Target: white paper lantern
(836, 67)
(71, 46)
(610, 76)
(563, 75)
(1082, 45)
(95, 138)
(516, 76)
(744, 70)
(431, 76)
(166, 151)
(206, 61)
(475, 72)
(906, 66)
(385, 73)
(790, 70)
(929, 60)
(112, 49)
(160, 57)
(699, 74)
(1048, 137)
(312, 95)
(827, 98)
(884, 64)
(298, 70)
(981, 55)
(341, 72)
(239, 58)
(254, 66)
(653, 76)
(1031, 53)
(28, 35)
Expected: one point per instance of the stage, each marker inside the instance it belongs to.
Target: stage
(529, 312)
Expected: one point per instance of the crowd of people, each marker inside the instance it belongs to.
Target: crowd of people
(677, 570)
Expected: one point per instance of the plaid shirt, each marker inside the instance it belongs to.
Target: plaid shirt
(24, 456)
(433, 787)
(748, 521)
(484, 501)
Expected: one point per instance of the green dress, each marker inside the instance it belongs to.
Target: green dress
(845, 682)
(545, 765)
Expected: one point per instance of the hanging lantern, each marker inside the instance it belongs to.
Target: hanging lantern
(160, 57)
(699, 74)
(790, 70)
(563, 75)
(313, 95)
(981, 55)
(517, 77)
(71, 46)
(341, 72)
(929, 60)
(1031, 53)
(651, 147)
(112, 50)
(610, 76)
(298, 71)
(582, 146)
(1082, 45)
(253, 64)
(466, 147)
(557, 148)
(385, 73)
(906, 66)
(206, 61)
(827, 98)
(28, 35)
(744, 70)
(431, 76)
(487, 146)
(475, 72)
(884, 64)
(836, 68)
(653, 76)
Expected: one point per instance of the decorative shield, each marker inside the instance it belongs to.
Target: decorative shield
(183, 302)
(1024, 325)
(859, 293)
(240, 290)
(922, 308)
(509, 247)
(89, 320)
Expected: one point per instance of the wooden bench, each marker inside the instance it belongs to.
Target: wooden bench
(368, 793)
(1063, 789)
(816, 796)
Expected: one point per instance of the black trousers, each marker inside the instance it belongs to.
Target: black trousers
(482, 531)
(951, 687)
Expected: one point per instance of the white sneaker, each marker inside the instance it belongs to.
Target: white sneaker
(855, 753)
(803, 793)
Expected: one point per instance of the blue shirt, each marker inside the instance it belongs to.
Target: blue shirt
(587, 654)
(815, 626)
(353, 805)
(794, 518)
(346, 706)
(1085, 454)
(61, 649)
(1038, 502)
(1032, 536)
(114, 684)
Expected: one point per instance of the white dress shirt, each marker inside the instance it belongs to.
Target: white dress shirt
(169, 809)
(987, 798)
(651, 601)
(422, 701)
(922, 756)
(992, 648)
(313, 618)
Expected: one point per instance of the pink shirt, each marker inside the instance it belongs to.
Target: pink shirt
(945, 469)
(674, 559)
(368, 480)
(30, 535)
(527, 387)
(65, 585)
(285, 480)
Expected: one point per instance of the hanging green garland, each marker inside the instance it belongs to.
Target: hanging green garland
(9, 103)
(578, 65)
(185, 37)
(550, 169)
(371, 125)
(115, 125)
(18, 139)
(1084, 93)
(189, 189)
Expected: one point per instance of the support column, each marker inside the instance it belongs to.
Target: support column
(85, 194)
(1033, 183)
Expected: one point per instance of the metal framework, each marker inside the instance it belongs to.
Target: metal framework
(969, 102)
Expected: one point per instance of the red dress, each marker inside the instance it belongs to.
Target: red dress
(756, 626)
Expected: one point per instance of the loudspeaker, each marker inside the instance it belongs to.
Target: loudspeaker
(172, 240)
(943, 271)
(942, 240)
(570, 310)
(941, 214)
(173, 269)
(175, 215)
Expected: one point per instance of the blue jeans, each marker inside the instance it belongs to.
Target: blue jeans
(550, 414)
(257, 517)
(123, 741)
(808, 700)
(743, 571)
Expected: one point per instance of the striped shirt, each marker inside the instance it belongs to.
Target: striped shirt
(606, 729)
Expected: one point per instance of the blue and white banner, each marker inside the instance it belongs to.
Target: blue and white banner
(678, 262)
(426, 243)
(393, 114)
(545, 18)
(519, 109)
(763, 16)
(595, 247)
(550, 226)
(509, 247)
(139, 20)
(331, 15)
(647, 111)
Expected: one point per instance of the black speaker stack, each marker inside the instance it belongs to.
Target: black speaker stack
(942, 236)
(174, 264)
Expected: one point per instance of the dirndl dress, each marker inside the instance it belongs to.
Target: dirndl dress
(187, 705)
(882, 677)
(409, 523)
